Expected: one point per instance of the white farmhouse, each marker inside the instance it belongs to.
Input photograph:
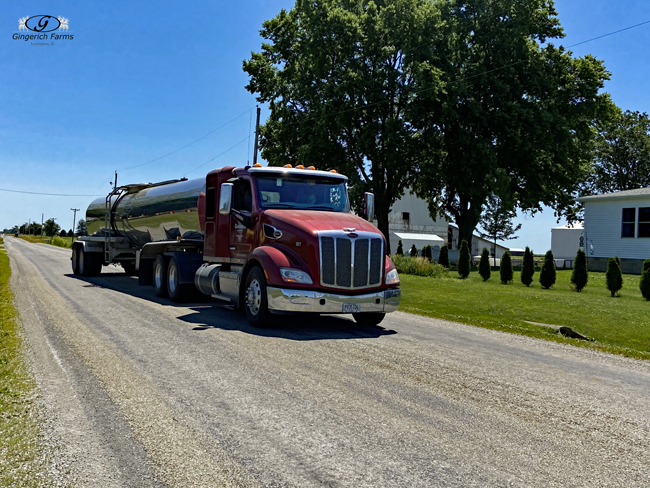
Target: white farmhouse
(617, 224)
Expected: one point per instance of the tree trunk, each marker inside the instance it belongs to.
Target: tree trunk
(466, 222)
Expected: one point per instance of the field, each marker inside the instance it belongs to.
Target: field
(54, 241)
(620, 325)
(19, 448)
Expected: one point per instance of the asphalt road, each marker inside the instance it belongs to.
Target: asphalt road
(138, 391)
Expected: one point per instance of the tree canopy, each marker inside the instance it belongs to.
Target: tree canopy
(341, 78)
(622, 153)
(516, 116)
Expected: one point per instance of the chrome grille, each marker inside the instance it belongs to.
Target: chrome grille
(350, 263)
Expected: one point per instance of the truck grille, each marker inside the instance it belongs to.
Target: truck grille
(350, 263)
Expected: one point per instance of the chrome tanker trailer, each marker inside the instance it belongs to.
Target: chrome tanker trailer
(271, 240)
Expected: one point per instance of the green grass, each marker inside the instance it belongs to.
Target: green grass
(54, 241)
(620, 325)
(21, 454)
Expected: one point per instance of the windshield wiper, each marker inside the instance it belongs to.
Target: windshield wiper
(278, 205)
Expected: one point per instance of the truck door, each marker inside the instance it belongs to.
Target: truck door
(242, 232)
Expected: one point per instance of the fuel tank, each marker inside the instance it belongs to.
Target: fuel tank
(159, 213)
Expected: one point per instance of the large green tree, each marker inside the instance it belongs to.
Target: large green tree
(341, 78)
(622, 155)
(517, 114)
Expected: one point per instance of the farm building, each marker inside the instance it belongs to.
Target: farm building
(565, 242)
(617, 224)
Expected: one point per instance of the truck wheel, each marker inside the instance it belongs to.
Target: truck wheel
(255, 299)
(160, 277)
(177, 291)
(75, 260)
(368, 319)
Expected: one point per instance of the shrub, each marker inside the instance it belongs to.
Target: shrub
(464, 260)
(506, 268)
(418, 266)
(548, 273)
(484, 265)
(63, 233)
(400, 249)
(579, 276)
(613, 276)
(427, 253)
(57, 241)
(413, 252)
(644, 282)
(528, 267)
(443, 256)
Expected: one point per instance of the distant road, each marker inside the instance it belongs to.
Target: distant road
(142, 392)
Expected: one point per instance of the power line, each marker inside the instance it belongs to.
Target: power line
(48, 194)
(219, 155)
(187, 145)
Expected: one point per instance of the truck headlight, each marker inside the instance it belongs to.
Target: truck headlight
(392, 277)
(295, 276)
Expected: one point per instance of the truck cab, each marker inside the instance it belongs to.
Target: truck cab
(284, 241)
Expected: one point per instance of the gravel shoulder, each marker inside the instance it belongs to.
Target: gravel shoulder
(142, 392)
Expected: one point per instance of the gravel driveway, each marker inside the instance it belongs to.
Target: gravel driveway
(139, 391)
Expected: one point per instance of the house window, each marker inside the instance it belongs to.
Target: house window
(644, 222)
(406, 217)
(629, 215)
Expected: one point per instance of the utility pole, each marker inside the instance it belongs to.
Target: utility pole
(257, 134)
(74, 221)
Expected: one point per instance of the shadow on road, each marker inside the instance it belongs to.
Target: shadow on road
(210, 314)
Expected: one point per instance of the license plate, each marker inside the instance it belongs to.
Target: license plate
(351, 307)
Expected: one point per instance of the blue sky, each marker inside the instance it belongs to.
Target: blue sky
(142, 79)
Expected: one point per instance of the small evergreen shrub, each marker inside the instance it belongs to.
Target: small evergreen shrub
(464, 260)
(644, 282)
(63, 233)
(413, 252)
(400, 249)
(484, 265)
(579, 275)
(548, 274)
(506, 268)
(443, 256)
(528, 267)
(425, 252)
(613, 276)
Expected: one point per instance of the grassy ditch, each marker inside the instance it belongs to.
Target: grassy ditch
(54, 241)
(20, 452)
(619, 325)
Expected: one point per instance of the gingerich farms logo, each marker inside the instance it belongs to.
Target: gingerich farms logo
(43, 28)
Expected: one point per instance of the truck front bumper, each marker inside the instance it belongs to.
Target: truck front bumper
(287, 300)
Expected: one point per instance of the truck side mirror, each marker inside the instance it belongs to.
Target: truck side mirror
(225, 198)
(369, 206)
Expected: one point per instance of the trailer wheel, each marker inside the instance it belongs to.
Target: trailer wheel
(368, 319)
(89, 264)
(160, 277)
(129, 268)
(75, 260)
(177, 291)
(255, 299)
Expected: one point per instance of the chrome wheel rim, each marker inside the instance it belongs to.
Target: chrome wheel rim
(157, 276)
(172, 279)
(254, 297)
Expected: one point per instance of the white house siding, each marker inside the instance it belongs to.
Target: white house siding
(603, 224)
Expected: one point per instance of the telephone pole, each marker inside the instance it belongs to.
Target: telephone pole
(74, 221)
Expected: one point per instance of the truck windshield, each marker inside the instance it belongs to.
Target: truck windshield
(312, 193)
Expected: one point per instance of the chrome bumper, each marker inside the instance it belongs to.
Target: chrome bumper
(286, 300)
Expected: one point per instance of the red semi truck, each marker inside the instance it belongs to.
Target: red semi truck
(271, 240)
